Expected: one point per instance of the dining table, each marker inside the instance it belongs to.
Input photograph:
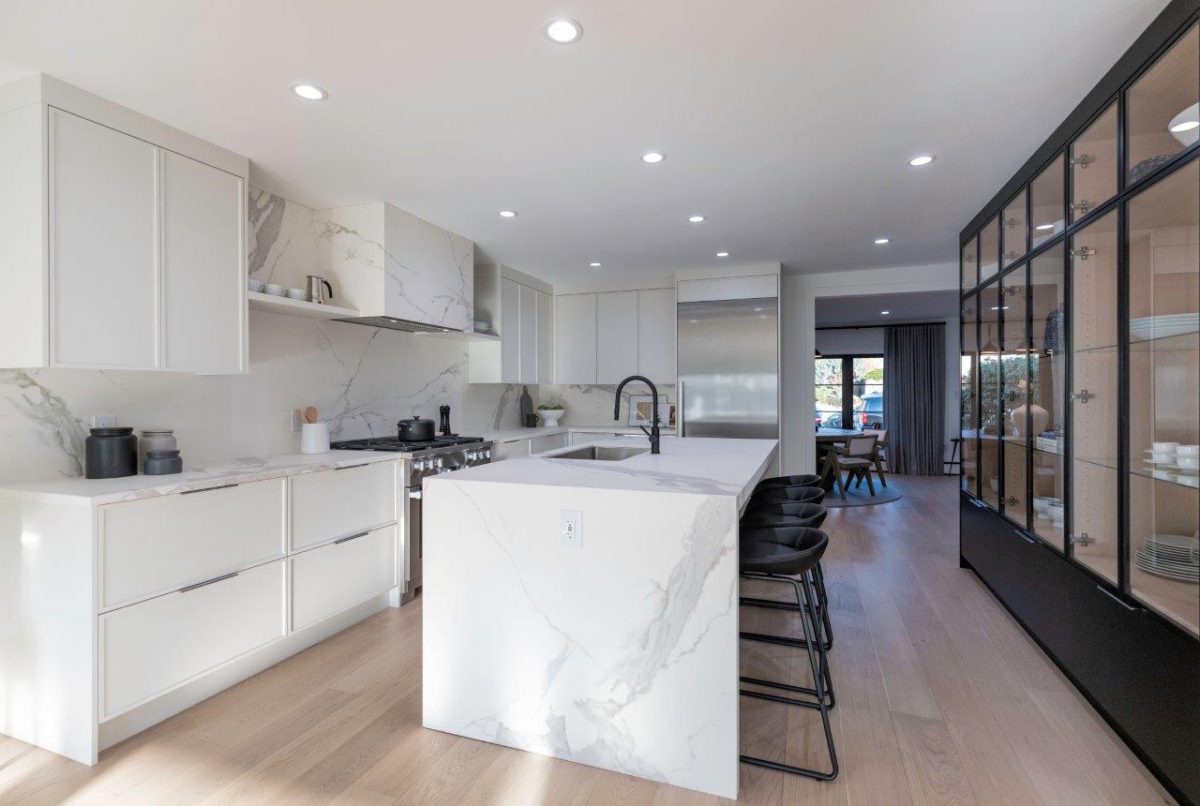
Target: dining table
(826, 439)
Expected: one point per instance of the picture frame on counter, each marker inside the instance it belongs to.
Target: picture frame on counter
(640, 407)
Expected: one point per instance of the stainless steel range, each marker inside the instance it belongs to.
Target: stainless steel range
(444, 454)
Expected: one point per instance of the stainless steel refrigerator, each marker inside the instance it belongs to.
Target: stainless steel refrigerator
(729, 368)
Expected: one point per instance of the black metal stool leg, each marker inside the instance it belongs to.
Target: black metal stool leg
(809, 622)
(807, 607)
(772, 604)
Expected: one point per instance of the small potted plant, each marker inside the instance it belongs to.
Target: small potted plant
(551, 412)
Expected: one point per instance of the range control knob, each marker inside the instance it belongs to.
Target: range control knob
(419, 465)
(440, 463)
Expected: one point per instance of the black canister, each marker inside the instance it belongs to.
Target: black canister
(163, 463)
(110, 453)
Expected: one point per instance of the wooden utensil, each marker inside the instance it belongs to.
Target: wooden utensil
(310, 414)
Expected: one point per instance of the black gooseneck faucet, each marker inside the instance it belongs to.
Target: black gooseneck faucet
(653, 432)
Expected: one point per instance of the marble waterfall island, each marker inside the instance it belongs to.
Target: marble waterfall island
(613, 645)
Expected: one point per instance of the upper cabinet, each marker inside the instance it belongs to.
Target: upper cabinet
(123, 241)
(392, 264)
(518, 313)
(1094, 165)
(605, 337)
(1162, 117)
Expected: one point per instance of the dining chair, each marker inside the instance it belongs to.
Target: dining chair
(857, 460)
(880, 446)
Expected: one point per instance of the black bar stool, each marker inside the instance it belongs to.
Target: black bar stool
(804, 480)
(790, 554)
(810, 495)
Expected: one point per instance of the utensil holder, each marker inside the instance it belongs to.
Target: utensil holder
(314, 438)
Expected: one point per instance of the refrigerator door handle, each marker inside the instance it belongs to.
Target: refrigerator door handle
(681, 415)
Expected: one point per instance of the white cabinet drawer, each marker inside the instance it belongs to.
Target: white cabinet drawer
(159, 545)
(332, 578)
(336, 503)
(547, 443)
(510, 450)
(149, 648)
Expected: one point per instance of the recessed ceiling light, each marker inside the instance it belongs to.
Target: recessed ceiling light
(696, 219)
(564, 31)
(1044, 226)
(1186, 126)
(882, 241)
(653, 157)
(595, 264)
(508, 214)
(923, 159)
(722, 254)
(310, 92)
(885, 313)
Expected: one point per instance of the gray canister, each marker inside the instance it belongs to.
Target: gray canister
(110, 453)
(155, 439)
(163, 463)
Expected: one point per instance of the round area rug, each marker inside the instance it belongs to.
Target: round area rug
(861, 497)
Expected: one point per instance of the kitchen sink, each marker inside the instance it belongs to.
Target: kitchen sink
(601, 453)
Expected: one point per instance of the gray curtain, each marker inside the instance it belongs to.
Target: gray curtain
(914, 398)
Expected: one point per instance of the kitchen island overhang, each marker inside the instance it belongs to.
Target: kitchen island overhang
(617, 648)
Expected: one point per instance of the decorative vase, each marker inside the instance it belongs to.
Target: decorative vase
(550, 417)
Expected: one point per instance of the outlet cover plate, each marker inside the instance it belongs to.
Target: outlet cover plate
(104, 421)
(571, 528)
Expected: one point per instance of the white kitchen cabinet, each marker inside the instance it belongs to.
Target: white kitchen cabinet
(528, 328)
(575, 339)
(149, 648)
(510, 334)
(161, 544)
(337, 503)
(656, 335)
(545, 338)
(203, 282)
(123, 242)
(130, 611)
(103, 254)
(335, 577)
(616, 336)
(519, 308)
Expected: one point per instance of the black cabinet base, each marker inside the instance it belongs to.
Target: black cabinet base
(1139, 672)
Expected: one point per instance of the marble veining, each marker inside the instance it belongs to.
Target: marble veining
(620, 652)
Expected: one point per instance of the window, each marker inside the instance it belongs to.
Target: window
(849, 391)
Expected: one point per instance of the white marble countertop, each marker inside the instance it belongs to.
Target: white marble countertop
(238, 471)
(692, 465)
(516, 434)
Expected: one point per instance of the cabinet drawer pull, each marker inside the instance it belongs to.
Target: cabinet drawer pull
(1030, 540)
(1116, 598)
(206, 583)
(209, 489)
(351, 467)
(341, 540)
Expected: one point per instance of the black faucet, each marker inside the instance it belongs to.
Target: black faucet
(653, 432)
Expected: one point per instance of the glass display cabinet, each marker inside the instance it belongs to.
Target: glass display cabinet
(1080, 390)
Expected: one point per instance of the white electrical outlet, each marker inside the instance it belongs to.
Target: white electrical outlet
(572, 527)
(104, 420)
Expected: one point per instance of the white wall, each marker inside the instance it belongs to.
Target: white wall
(798, 309)
(857, 341)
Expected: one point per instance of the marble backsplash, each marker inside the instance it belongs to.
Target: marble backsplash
(593, 405)
(362, 379)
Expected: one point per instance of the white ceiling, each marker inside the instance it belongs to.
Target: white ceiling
(787, 122)
(922, 306)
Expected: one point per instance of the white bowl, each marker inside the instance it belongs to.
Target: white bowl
(1158, 447)
(1188, 462)
(276, 290)
(1162, 458)
(255, 285)
(1188, 450)
(296, 293)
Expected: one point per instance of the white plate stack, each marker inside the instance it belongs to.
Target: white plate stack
(1172, 556)
(1147, 328)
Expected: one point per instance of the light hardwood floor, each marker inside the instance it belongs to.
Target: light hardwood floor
(941, 699)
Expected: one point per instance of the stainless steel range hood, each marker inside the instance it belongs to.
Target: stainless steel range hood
(392, 323)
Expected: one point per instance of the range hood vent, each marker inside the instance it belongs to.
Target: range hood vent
(392, 323)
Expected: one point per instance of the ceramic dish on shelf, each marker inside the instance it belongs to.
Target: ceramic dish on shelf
(1148, 328)
(1171, 556)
